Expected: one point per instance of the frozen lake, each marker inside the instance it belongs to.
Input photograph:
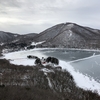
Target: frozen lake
(68, 55)
(85, 62)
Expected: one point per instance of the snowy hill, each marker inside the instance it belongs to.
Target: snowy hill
(6, 37)
(70, 35)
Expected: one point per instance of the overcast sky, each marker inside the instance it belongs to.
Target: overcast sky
(28, 16)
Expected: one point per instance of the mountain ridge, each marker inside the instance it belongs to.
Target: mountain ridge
(66, 35)
(7, 37)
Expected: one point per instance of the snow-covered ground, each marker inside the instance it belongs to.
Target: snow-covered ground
(20, 57)
(36, 43)
(1, 44)
(85, 82)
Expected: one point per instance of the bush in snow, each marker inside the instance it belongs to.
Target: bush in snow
(32, 57)
(52, 60)
(38, 61)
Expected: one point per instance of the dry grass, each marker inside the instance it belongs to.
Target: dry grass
(30, 83)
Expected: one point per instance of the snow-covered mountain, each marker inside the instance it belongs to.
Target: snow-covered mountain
(70, 35)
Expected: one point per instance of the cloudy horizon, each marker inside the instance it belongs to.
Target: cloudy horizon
(34, 16)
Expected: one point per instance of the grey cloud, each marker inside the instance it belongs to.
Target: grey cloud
(25, 28)
(9, 3)
(37, 15)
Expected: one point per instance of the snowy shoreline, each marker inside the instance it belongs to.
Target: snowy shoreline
(82, 81)
(67, 49)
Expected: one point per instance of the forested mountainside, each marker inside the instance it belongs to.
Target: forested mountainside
(70, 35)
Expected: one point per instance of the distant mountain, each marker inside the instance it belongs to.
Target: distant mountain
(7, 37)
(15, 42)
(70, 35)
(26, 38)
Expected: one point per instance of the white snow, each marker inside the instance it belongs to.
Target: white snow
(5, 51)
(70, 33)
(70, 26)
(45, 70)
(1, 44)
(16, 35)
(15, 41)
(83, 81)
(20, 58)
(49, 82)
(36, 43)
